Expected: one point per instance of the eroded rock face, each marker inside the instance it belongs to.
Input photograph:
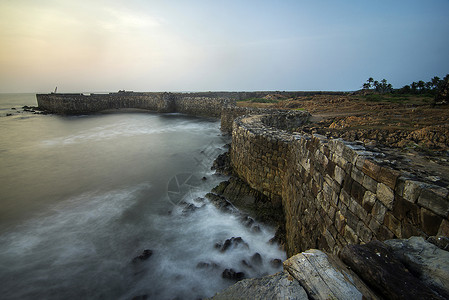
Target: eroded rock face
(378, 266)
(277, 286)
(425, 260)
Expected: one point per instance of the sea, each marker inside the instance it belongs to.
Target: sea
(112, 206)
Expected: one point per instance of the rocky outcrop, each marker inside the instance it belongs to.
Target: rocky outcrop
(372, 271)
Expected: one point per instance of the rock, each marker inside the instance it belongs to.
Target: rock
(424, 260)
(144, 256)
(189, 208)
(221, 203)
(231, 243)
(256, 259)
(324, 278)
(246, 264)
(204, 178)
(233, 275)
(255, 229)
(206, 265)
(377, 265)
(278, 286)
(222, 164)
(441, 242)
(276, 263)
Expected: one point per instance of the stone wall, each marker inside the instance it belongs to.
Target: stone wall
(333, 193)
(198, 104)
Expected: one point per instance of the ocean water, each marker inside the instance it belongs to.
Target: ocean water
(82, 196)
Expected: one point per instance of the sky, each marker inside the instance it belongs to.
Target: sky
(105, 46)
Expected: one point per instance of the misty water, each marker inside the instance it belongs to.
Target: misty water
(82, 196)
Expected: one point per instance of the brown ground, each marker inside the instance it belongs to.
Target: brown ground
(406, 123)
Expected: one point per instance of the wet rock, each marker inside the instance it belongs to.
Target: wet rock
(247, 220)
(276, 263)
(233, 275)
(189, 208)
(378, 266)
(204, 178)
(222, 164)
(220, 203)
(144, 256)
(256, 229)
(231, 243)
(278, 286)
(441, 242)
(246, 264)
(206, 265)
(256, 259)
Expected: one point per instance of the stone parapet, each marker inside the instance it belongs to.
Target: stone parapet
(333, 192)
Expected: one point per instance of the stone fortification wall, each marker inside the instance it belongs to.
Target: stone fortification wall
(198, 104)
(333, 193)
(80, 103)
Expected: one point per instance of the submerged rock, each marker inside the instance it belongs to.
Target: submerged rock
(144, 256)
(231, 243)
(256, 259)
(233, 275)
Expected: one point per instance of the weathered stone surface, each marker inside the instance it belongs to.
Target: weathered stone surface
(279, 286)
(430, 222)
(371, 169)
(385, 194)
(376, 264)
(321, 278)
(424, 260)
(412, 189)
(434, 202)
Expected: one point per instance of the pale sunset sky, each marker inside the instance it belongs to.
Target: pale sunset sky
(100, 46)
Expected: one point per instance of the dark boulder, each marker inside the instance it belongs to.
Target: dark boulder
(256, 259)
(276, 263)
(233, 275)
(378, 266)
(231, 243)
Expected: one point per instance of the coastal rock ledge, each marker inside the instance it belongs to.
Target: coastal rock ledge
(395, 269)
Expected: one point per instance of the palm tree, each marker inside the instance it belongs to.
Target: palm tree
(421, 85)
(435, 82)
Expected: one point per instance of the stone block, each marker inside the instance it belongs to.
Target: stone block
(385, 194)
(409, 230)
(393, 224)
(357, 191)
(444, 228)
(358, 210)
(347, 184)
(350, 235)
(339, 174)
(378, 212)
(364, 232)
(406, 211)
(412, 189)
(388, 176)
(400, 185)
(369, 183)
(373, 225)
(340, 222)
(432, 200)
(369, 198)
(430, 222)
(371, 169)
(384, 233)
(330, 168)
(345, 198)
(357, 175)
